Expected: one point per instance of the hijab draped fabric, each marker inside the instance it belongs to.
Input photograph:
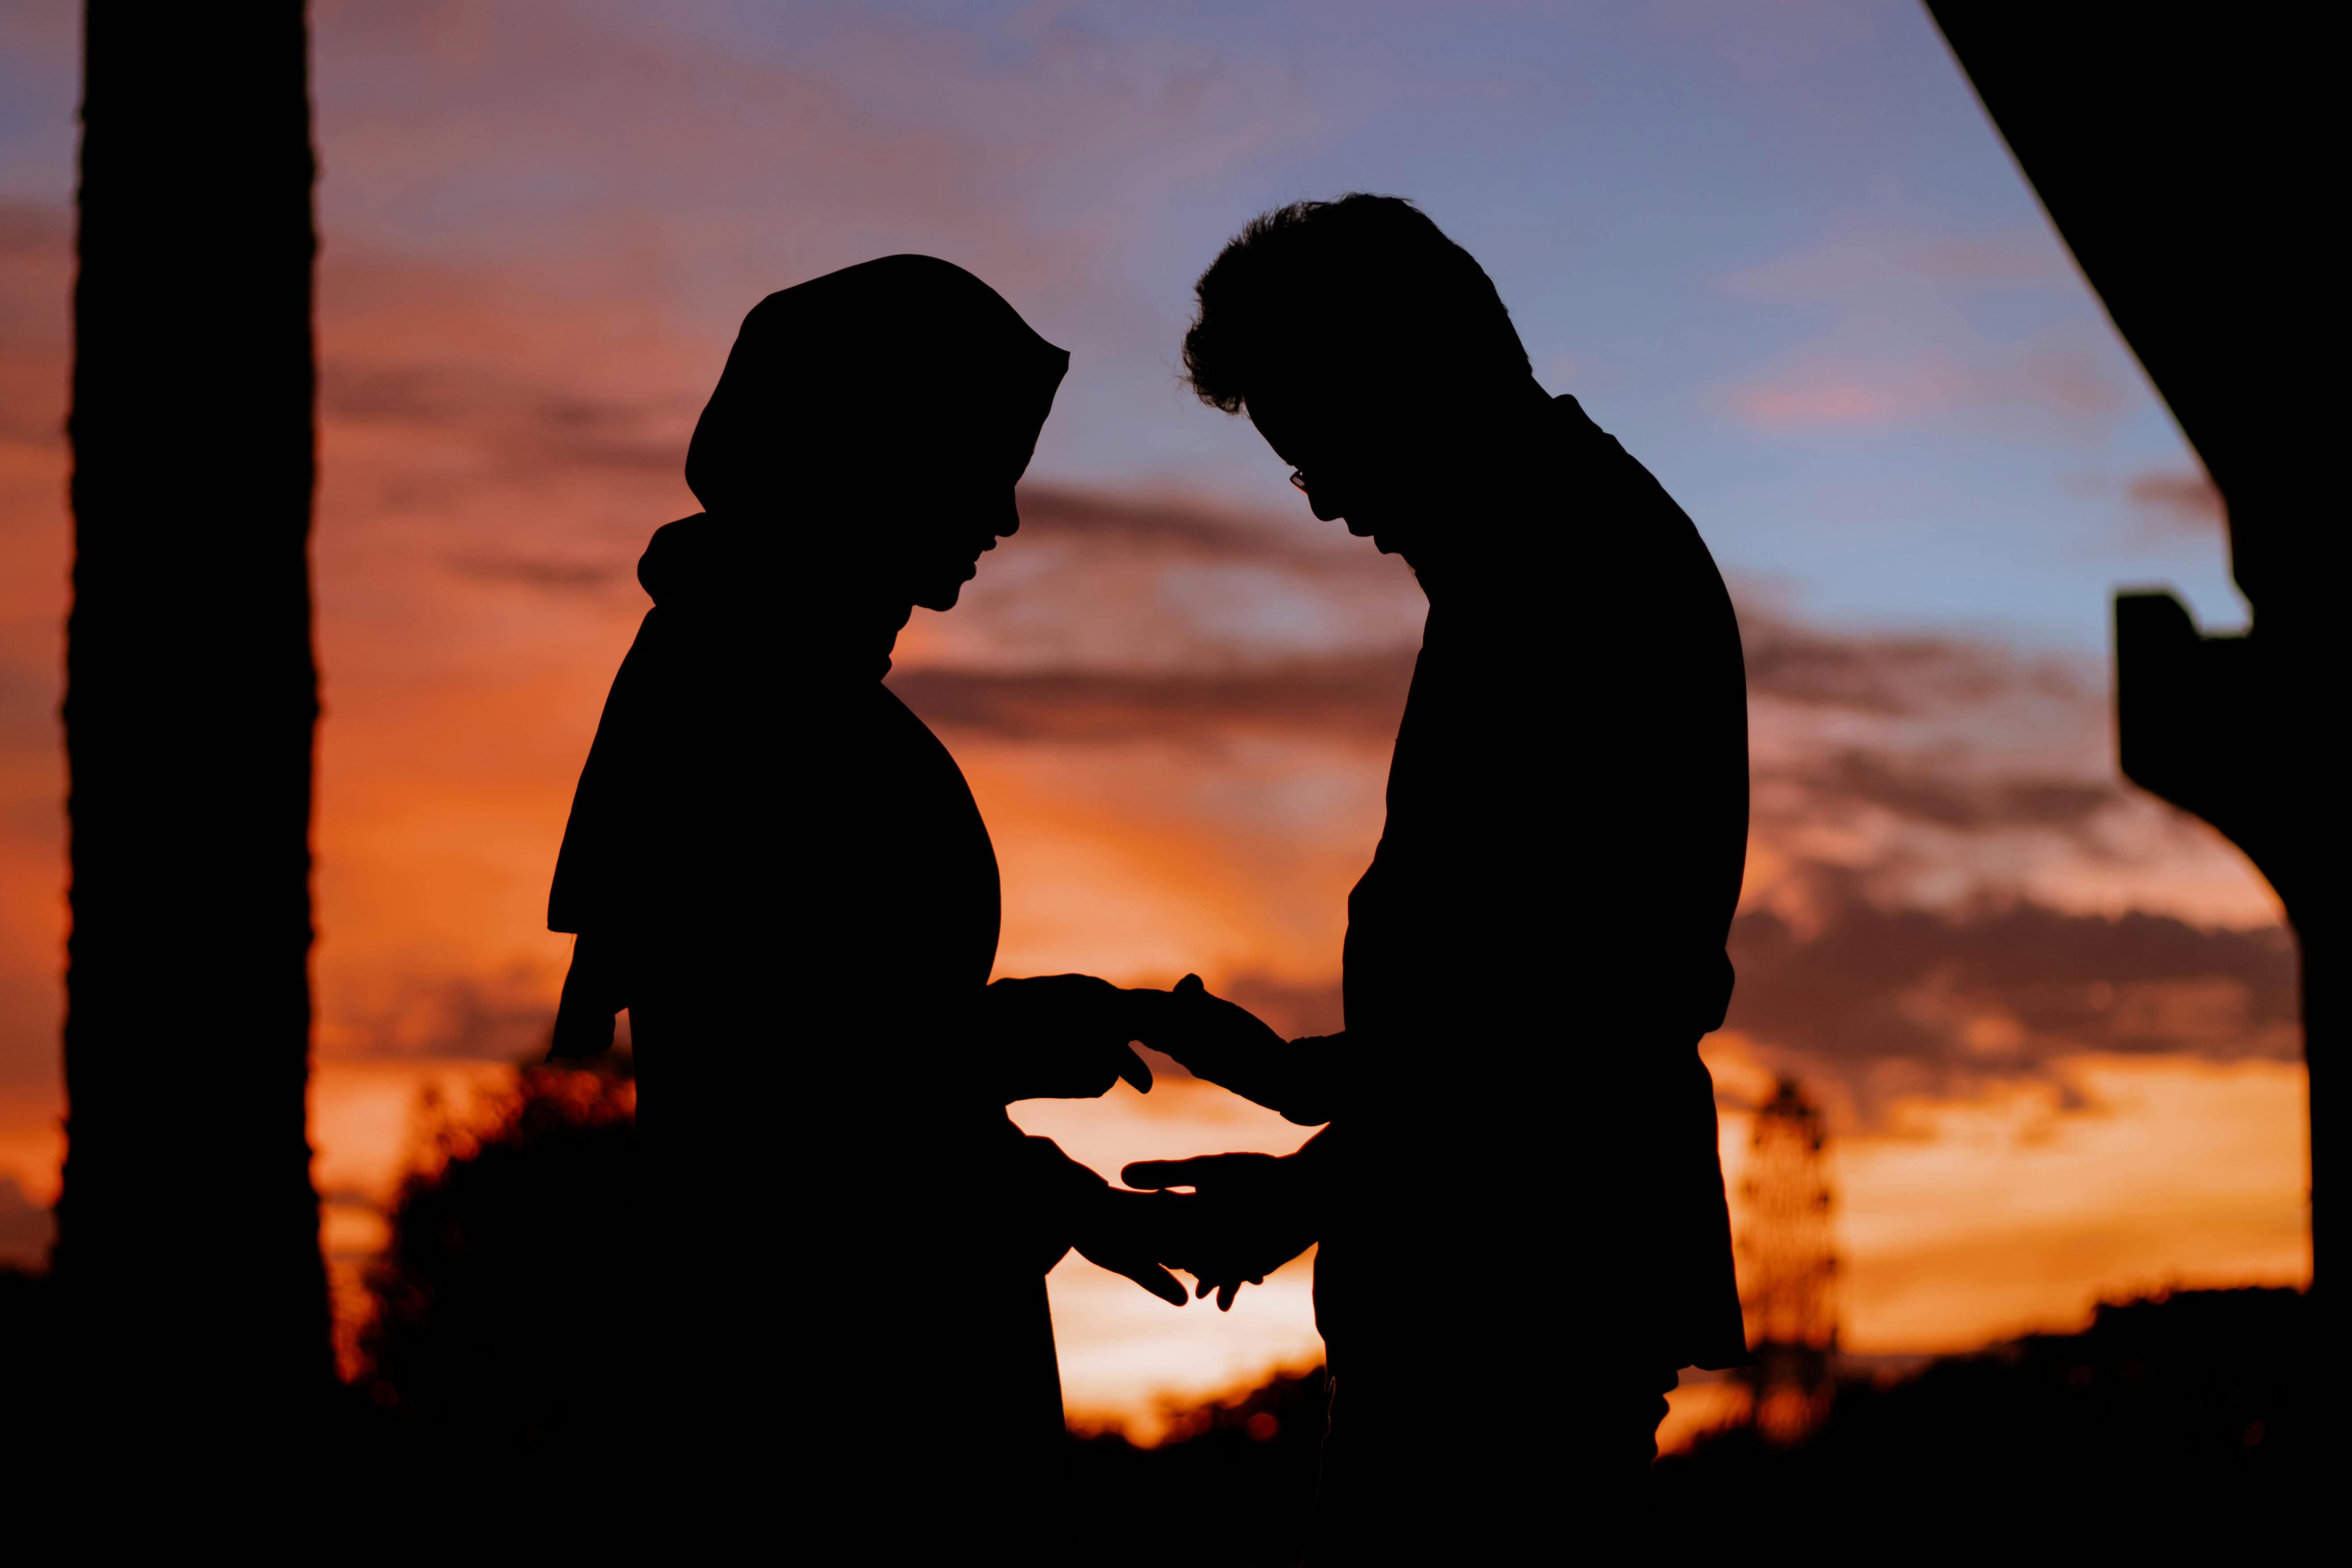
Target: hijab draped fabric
(905, 366)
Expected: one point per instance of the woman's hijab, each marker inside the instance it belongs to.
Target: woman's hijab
(889, 370)
(890, 375)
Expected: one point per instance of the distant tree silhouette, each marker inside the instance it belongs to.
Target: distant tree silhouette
(505, 1298)
(190, 705)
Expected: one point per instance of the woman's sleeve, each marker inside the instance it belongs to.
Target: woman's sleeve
(1042, 1191)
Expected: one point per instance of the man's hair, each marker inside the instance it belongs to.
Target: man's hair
(1364, 283)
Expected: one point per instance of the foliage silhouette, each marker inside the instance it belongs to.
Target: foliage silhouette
(1238, 1472)
(505, 1297)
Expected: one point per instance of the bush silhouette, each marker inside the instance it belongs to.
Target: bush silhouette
(505, 1298)
(2191, 1413)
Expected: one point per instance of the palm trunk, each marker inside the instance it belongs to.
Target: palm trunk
(188, 1227)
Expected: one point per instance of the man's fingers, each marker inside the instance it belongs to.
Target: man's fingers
(1151, 1173)
(1180, 1172)
(1226, 1294)
(1135, 1070)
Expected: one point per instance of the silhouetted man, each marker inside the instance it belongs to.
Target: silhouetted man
(780, 873)
(1517, 1197)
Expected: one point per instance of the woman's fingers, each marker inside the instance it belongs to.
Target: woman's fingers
(1157, 1281)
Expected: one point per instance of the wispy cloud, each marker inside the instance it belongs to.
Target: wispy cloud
(1898, 345)
(1900, 999)
(27, 1228)
(1827, 387)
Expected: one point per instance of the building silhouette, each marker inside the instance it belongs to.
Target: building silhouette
(2236, 729)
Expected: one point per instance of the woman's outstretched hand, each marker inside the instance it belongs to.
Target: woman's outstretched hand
(1249, 1215)
(1060, 1036)
(1128, 1233)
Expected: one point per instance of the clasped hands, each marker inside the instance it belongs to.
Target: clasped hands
(1067, 1036)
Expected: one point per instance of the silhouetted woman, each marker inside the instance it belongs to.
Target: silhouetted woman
(781, 874)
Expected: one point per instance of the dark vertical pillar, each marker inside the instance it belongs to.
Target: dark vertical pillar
(2245, 731)
(188, 1229)
(2190, 170)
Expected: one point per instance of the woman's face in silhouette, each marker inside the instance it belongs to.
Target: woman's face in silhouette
(916, 497)
(937, 507)
(939, 535)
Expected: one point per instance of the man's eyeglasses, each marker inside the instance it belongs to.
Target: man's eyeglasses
(1298, 480)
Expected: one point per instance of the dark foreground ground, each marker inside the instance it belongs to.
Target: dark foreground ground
(2176, 1426)
(2182, 1426)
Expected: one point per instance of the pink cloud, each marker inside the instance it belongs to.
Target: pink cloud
(2173, 504)
(2058, 379)
(1826, 402)
(1900, 345)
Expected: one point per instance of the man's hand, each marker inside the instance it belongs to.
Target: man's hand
(1128, 1233)
(1251, 1214)
(1060, 1036)
(1217, 1040)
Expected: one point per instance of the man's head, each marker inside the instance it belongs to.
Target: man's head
(1371, 352)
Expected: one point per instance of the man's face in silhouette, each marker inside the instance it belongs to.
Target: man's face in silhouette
(1374, 462)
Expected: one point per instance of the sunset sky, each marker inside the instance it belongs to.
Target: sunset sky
(1776, 249)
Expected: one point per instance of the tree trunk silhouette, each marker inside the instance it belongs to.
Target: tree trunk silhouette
(188, 1228)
